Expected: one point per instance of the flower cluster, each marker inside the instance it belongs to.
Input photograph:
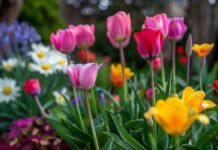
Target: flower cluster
(33, 133)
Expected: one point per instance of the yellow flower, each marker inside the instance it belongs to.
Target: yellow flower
(174, 116)
(203, 49)
(116, 74)
(195, 100)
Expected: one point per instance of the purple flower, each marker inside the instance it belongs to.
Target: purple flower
(79, 101)
(24, 122)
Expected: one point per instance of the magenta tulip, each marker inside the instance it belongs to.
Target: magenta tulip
(177, 28)
(119, 29)
(85, 37)
(149, 43)
(83, 76)
(158, 22)
(156, 63)
(64, 40)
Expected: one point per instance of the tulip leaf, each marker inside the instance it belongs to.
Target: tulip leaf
(126, 136)
(207, 136)
(189, 147)
(108, 95)
(163, 144)
(138, 99)
(169, 87)
(109, 144)
(133, 123)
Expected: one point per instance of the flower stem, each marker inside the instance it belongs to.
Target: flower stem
(43, 113)
(91, 120)
(163, 71)
(203, 61)
(177, 143)
(87, 55)
(94, 100)
(174, 66)
(122, 58)
(188, 71)
(78, 109)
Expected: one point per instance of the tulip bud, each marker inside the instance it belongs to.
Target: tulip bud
(188, 47)
(156, 63)
(32, 87)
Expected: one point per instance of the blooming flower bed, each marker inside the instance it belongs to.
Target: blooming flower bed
(50, 101)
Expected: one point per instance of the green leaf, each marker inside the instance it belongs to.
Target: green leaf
(189, 147)
(132, 123)
(108, 145)
(126, 136)
(76, 140)
(163, 144)
(138, 99)
(206, 137)
(169, 87)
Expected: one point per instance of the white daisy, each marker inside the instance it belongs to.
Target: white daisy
(59, 96)
(8, 90)
(60, 60)
(45, 67)
(9, 64)
(40, 52)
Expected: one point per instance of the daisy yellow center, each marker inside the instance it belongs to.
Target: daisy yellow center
(40, 54)
(61, 62)
(46, 66)
(7, 90)
(7, 66)
(60, 98)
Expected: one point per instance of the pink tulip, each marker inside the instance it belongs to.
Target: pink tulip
(119, 29)
(158, 22)
(177, 28)
(64, 40)
(149, 94)
(32, 87)
(85, 37)
(156, 63)
(149, 43)
(83, 76)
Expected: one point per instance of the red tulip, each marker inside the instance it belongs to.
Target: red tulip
(64, 40)
(156, 63)
(119, 29)
(149, 43)
(215, 87)
(32, 87)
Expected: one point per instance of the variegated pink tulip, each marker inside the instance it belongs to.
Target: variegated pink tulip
(64, 40)
(149, 43)
(85, 36)
(177, 28)
(119, 29)
(83, 76)
(158, 22)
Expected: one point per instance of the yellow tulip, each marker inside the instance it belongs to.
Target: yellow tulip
(195, 100)
(116, 74)
(174, 116)
(203, 49)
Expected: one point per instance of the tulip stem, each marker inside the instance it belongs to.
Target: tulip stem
(188, 71)
(174, 66)
(122, 58)
(203, 61)
(177, 143)
(163, 71)
(94, 100)
(43, 113)
(68, 58)
(91, 120)
(87, 55)
(78, 109)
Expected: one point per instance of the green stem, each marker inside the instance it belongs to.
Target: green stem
(163, 71)
(177, 143)
(174, 66)
(94, 100)
(43, 113)
(91, 120)
(188, 71)
(203, 61)
(153, 142)
(122, 58)
(78, 109)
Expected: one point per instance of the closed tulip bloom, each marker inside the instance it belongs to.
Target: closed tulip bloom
(156, 63)
(32, 87)
(203, 49)
(119, 29)
(117, 76)
(176, 28)
(64, 40)
(195, 100)
(215, 86)
(158, 22)
(149, 43)
(85, 36)
(174, 116)
(83, 76)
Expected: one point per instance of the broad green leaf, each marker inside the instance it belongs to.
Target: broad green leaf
(189, 147)
(207, 136)
(169, 87)
(108, 145)
(132, 123)
(126, 136)
(163, 144)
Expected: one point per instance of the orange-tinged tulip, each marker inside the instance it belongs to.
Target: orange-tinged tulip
(116, 74)
(195, 100)
(174, 116)
(203, 49)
